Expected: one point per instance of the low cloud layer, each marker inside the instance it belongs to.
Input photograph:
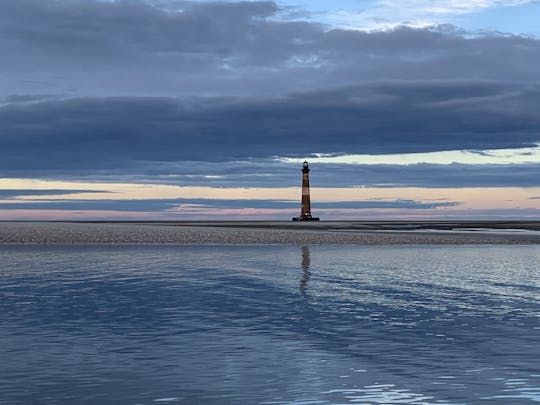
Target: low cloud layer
(157, 205)
(11, 194)
(391, 117)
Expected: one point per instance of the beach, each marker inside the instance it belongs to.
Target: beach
(245, 233)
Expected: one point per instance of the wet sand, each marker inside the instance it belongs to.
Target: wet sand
(373, 233)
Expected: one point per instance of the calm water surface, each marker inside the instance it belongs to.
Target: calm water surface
(269, 325)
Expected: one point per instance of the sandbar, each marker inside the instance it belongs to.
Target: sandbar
(239, 233)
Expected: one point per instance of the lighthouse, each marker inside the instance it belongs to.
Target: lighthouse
(305, 213)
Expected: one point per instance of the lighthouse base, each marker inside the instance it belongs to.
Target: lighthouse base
(296, 219)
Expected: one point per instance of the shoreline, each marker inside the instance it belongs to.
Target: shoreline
(251, 233)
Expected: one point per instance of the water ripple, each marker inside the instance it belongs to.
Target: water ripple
(269, 324)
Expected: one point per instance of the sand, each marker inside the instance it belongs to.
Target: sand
(238, 233)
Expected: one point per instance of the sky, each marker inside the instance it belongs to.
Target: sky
(187, 110)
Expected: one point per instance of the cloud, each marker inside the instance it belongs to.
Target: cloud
(268, 173)
(201, 204)
(91, 205)
(449, 6)
(379, 118)
(96, 48)
(136, 46)
(385, 14)
(428, 175)
(10, 194)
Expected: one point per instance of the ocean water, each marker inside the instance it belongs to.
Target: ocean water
(269, 325)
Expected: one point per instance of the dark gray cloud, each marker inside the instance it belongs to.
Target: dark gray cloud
(110, 133)
(429, 175)
(136, 47)
(170, 48)
(266, 173)
(93, 205)
(157, 205)
(17, 193)
(270, 173)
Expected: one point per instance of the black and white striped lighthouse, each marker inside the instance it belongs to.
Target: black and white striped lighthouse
(305, 213)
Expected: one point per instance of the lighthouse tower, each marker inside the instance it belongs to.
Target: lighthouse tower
(305, 213)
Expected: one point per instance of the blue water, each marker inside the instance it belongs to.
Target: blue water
(269, 325)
